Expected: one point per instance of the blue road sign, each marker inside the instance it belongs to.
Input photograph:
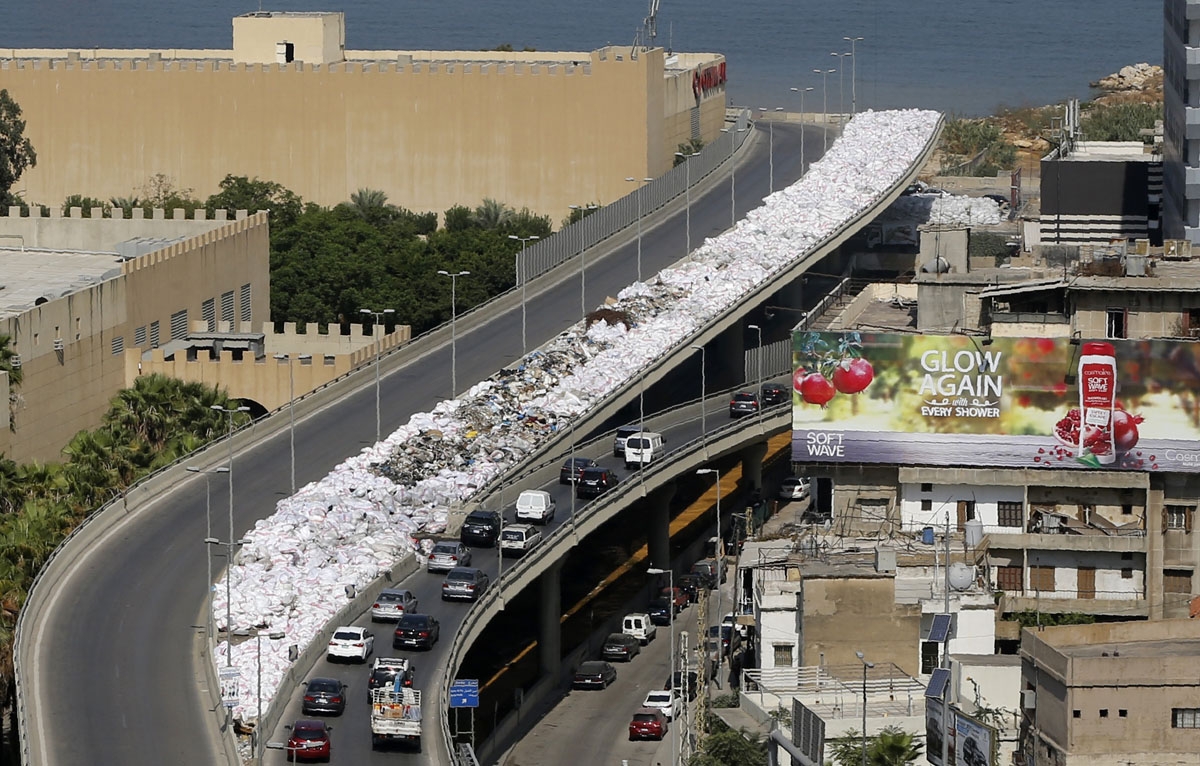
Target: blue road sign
(464, 693)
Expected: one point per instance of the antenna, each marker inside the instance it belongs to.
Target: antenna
(650, 25)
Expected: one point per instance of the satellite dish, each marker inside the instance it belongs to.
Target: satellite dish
(938, 265)
(961, 575)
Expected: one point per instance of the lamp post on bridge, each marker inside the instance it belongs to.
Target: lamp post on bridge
(825, 105)
(292, 405)
(208, 534)
(521, 278)
(801, 91)
(853, 73)
(453, 326)
(378, 317)
(687, 195)
(583, 213)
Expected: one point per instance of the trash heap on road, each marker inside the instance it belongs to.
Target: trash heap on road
(292, 572)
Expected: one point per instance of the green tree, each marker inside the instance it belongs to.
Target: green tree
(692, 146)
(368, 201)
(126, 204)
(1119, 122)
(492, 214)
(730, 748)
(16, 152)
(891, 747)
(160, 191)
(459, 218)
(86, 203)
(252, 194)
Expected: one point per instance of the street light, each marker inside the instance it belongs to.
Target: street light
(274, 635)
(841, 91)
(853, 73)
(675, 682)
(583, 212)
(720, 563)
(378, 315)
(231, 412)
(639, 222)
(453, 327)
(517, 268)
(703, 397)
(771, 150)
(866, 666)
(801, 91)
(292, 405)
(733, 173)
(758, 330)
(687, 195)
(208, 533)
(824, 106)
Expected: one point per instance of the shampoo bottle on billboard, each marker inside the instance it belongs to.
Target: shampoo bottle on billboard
(1097, 399)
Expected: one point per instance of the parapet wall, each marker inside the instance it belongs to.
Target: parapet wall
(320, 340)
(102, 232)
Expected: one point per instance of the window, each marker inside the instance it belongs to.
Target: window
(1185, 718)
(154, 334)
(926, 487)
(1011, 514)
(118, 345)
(1177, 581)
(179, 325)
(926, 505)
(1126, 574)
(783, 655)
(1127, 509)
(1008, 579)
(1122, 713)
(1177, 517)
(245, 303)
(1127, 556)
(1104, 712)
(139, 336)
(208, 311)
(227, 307)
(929, 656)
(1041, 578)
(1115, 323)
(1077, 714)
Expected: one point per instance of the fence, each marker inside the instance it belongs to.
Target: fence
(776, 360)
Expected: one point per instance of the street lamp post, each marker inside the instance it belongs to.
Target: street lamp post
(733, 173)
(801, 91)
(208, 534)
(231, 412)
(824, 106)
(583, 212)
(378, 316)
(687, 196)
(453, 327)
(520, 257)
(703, 397)
(292, 406)
(866, 666)
(853, 73)
(720, 564)
(639, 221)
(841, 91)
(274, 635)
(759, 375)
(771, 146)
(675, 682)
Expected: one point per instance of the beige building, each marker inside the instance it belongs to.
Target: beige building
(1112, 694)
(541, 130)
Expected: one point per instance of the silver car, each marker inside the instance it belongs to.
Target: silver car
(448, 554)
(392, 604)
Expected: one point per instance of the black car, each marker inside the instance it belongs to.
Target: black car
(687, 684)
(620, 646)
(743, 403)
(594, 674)
(594, 482)
(481, 528)
(465, 583)
(418, 631)
(730, 640)
(383, 675)
(775, 393)
(623, 433)
(324, 695)
(659, 610)
(692, 585)
(573, 467)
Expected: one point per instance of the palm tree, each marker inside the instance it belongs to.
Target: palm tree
(368, 201)
(492, 214)
(12, 489)
(894, 747)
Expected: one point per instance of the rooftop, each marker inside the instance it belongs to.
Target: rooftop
(1110, 151)
(30, 277)
(1179, 647)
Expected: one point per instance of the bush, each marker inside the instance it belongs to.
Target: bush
(1119, 122)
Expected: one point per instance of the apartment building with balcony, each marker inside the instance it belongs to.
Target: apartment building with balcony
(1181, 119)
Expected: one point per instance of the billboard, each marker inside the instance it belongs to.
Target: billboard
(971, 742)
(1002, 402)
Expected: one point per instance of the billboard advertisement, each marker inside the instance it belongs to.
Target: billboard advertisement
(862, 397)
(971, 742)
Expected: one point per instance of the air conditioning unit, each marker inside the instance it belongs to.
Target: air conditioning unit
(1028, 699)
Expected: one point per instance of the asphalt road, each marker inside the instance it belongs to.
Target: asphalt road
(113, 679)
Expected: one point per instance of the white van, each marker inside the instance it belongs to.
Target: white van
(535, 505)
(640, 627)
(643, 448)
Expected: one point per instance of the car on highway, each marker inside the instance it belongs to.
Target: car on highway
(392, 604)
(648, 723)
(595, 481)
(743, 403)
(686, 684)
(775, 394)
(573, 468)
(795, 488)
(665, 700)
(416, 631)
(350, 643)
(660, 611)
(623, 433)
(464, 583)
(519, 539)
(446, 555)
(309, 741)
(384, 671)
(594, 674)
(535, 505)
(480, 529)
(620, 647)
(324, 695)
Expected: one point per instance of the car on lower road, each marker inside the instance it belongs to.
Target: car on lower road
(309, 741)
(743, 403)
(416, 631)
(595, 481)
(392, 604)
(623, 433)
(648, 723)
(775, 394)
(573, 468)
(464, 583)
(620, 647)
(446, 555)
(666, 700)
(480, 529)
(324, 695)
(677, 597)
(660, 611)
(594, 674)
(350, 642)
(519, 539)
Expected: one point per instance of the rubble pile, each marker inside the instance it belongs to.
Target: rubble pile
(345, 530)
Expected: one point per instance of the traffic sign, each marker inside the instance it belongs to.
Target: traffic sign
(229, 686)
(464, 693)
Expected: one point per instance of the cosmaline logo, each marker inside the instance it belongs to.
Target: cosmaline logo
(825, 444)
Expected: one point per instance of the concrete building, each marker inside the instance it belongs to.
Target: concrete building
(1181, 119)
(1114, 694)
(541, 130)
(1099, 191)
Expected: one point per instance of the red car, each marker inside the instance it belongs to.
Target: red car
(679, 598)
(648, 723)
(309, 741)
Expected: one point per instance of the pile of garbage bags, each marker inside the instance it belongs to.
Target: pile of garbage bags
(292, 572)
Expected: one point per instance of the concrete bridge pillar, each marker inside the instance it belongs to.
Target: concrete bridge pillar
(550, 620)
(752, 463)
(726, 358)
(658, 535)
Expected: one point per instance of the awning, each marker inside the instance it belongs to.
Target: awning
(1021, 287)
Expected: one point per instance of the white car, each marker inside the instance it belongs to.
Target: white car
(392, 604)
(729, 621)
(350, 643)
(519, 539)
(535, 505)
(794, 488)
(669, 702)
(448, 554)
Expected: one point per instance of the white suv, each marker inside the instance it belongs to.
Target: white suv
(535, 505)
(518, 539)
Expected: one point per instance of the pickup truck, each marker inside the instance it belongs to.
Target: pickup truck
(395, 715)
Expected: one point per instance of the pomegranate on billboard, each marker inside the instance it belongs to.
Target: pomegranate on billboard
(1006, 402)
